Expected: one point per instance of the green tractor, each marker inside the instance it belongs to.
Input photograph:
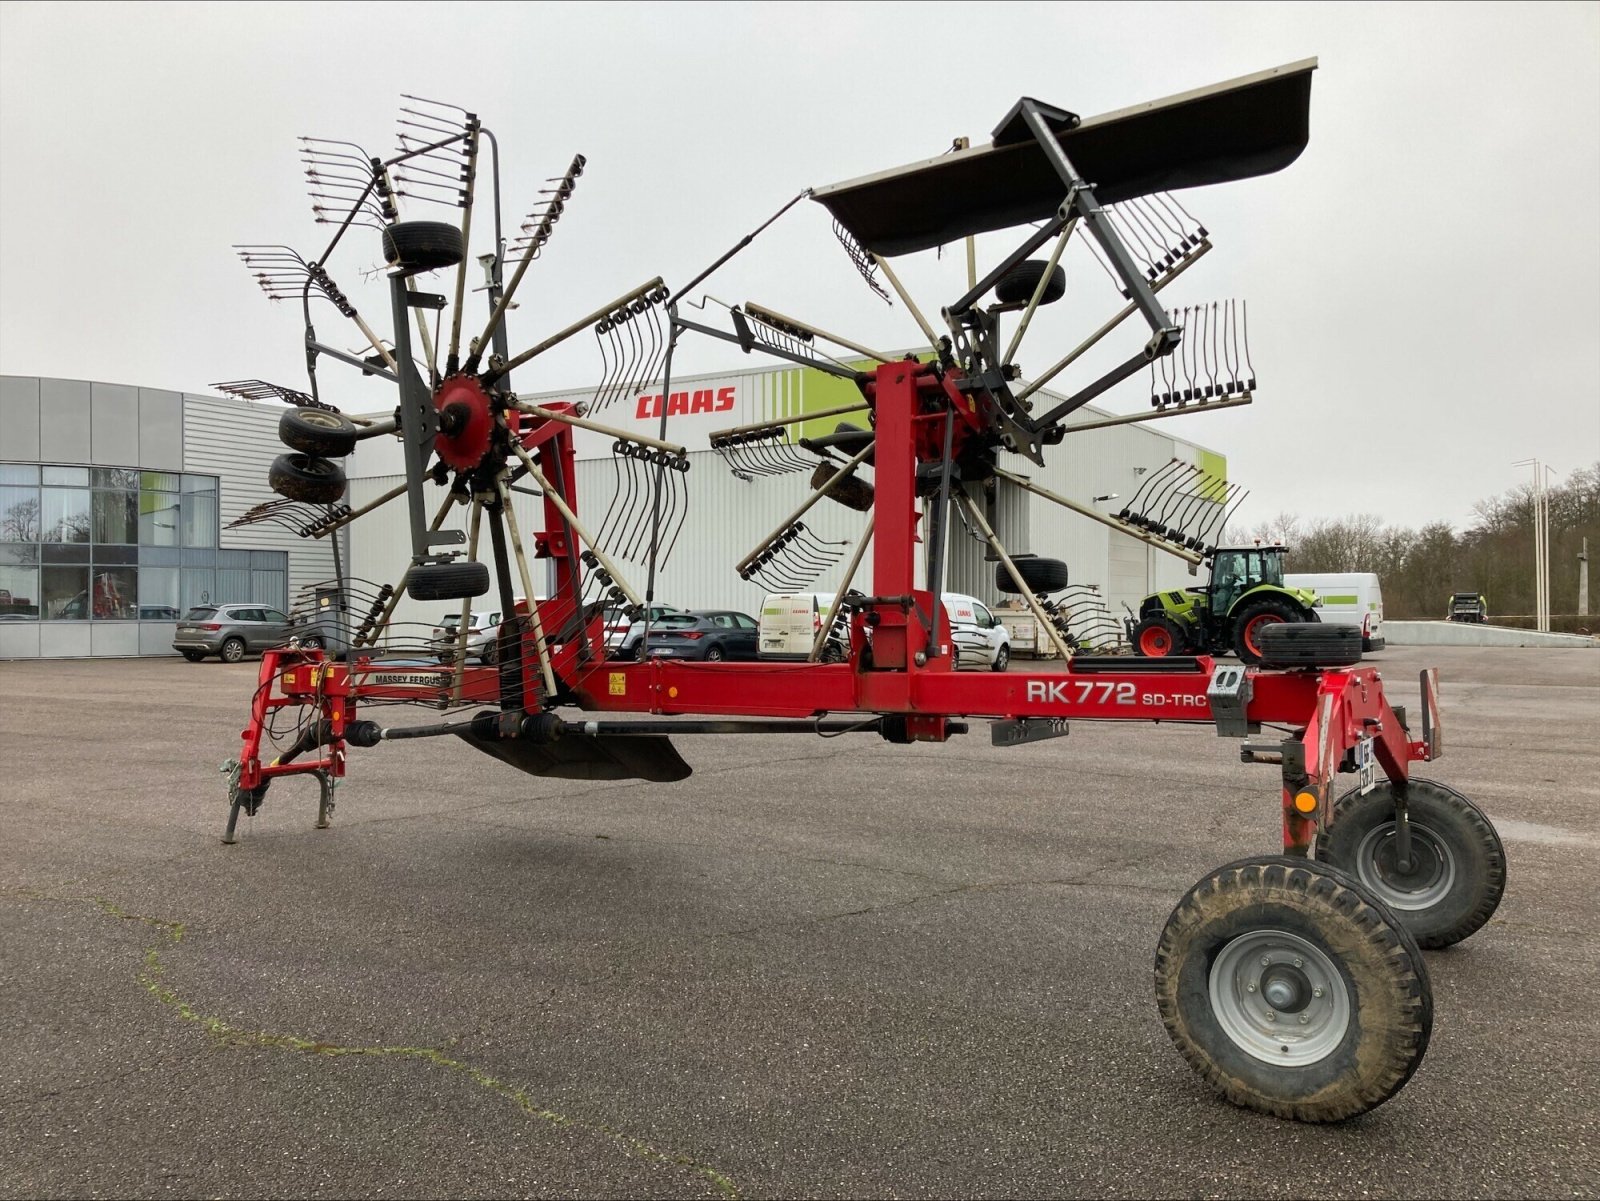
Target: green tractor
(1245, 595)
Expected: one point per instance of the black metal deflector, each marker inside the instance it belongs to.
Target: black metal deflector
(1016, 731)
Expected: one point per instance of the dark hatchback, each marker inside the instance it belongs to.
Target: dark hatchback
(711, 635)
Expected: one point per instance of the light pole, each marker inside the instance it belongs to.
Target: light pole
(1541, 544)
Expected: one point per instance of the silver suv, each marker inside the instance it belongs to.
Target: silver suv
(230, 631)
(482, 637)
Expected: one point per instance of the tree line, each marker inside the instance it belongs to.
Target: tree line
(1420, 568)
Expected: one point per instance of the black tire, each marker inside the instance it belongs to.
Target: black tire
(1460, 872)
(312, 643)
(448, 581)
(638, 652)
(1016, 286)
(317, 432)
(1040, 575)
(1337, 957)
(1158, 636)
(1310, 645)
(491, 652)
(193, 656)
(422, 245)
(308, 478)
(1257, 616)
(714, 654)
(1002, 658)
(833, 652)
(232, 649)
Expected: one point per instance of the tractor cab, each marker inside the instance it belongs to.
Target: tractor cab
(1235, 572)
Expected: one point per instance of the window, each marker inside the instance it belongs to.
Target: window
(271, 615)
(983, 618)
(65, 593)
(120, 544)
(722, 621)
(744, 623)
(66, 514)
(114, 594)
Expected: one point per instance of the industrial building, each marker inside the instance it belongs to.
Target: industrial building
(115, 503)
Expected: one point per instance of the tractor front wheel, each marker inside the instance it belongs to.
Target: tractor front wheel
(1157, 637)
(1292, 990)
(1255, 618)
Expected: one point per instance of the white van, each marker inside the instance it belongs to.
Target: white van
(981, 640)
(790, 621)
(1351, 598)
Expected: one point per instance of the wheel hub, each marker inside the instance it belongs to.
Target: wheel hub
(1432, 871)
(1280, 998)
(466, 422)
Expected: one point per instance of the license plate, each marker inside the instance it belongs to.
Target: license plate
(1366, 765)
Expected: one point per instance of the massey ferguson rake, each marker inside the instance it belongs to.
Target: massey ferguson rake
(1293, 982)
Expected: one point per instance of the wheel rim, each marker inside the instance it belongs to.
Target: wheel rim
(1001, 659)
(1155, 643)
(1433, 872)
(714, 654)
(1280, 998)
(327, 421)
(232, 651)
(1252, 631)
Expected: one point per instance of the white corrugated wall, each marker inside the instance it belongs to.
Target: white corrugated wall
(237, 440)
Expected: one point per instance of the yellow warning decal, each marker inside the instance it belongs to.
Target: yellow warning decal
(619, 684)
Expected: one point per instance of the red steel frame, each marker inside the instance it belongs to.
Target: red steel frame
(1330, 710)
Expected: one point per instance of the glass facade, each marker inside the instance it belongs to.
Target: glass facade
(120, 544)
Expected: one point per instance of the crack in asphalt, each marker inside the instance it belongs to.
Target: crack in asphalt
(151, 979)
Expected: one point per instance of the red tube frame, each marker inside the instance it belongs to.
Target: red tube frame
(911, 671)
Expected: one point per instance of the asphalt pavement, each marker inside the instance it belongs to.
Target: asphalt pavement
(815, 968)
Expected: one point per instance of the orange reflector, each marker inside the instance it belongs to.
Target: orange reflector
(1306, 802)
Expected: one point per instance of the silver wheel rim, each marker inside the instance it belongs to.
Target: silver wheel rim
(1280, 998)
(1428, 883)
(232, 652)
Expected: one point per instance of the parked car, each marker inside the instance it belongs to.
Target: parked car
(482, 637)
(707, 634)
(981, 640)
(229, 631)
(623, 633)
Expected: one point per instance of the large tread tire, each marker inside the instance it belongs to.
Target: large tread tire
(1254, 618)
(307, 478)
(448, 581)
(1310, 645)
(1040, 575)
(317, 432)
(1016, 286)
(422, 245)
(1157, 636)
(1378, 974)
(1461, 873)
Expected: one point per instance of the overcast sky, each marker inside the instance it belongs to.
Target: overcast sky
(1424, 283)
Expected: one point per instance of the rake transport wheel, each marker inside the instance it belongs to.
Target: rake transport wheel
(307, 478)
(317, 432)
(1039, 574)
(1293, 990)
(448, 581)
(1458, 865)
(1157, 637)
(422, 245)
(1255, 618)
(1016, 286)
(1311, 644)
